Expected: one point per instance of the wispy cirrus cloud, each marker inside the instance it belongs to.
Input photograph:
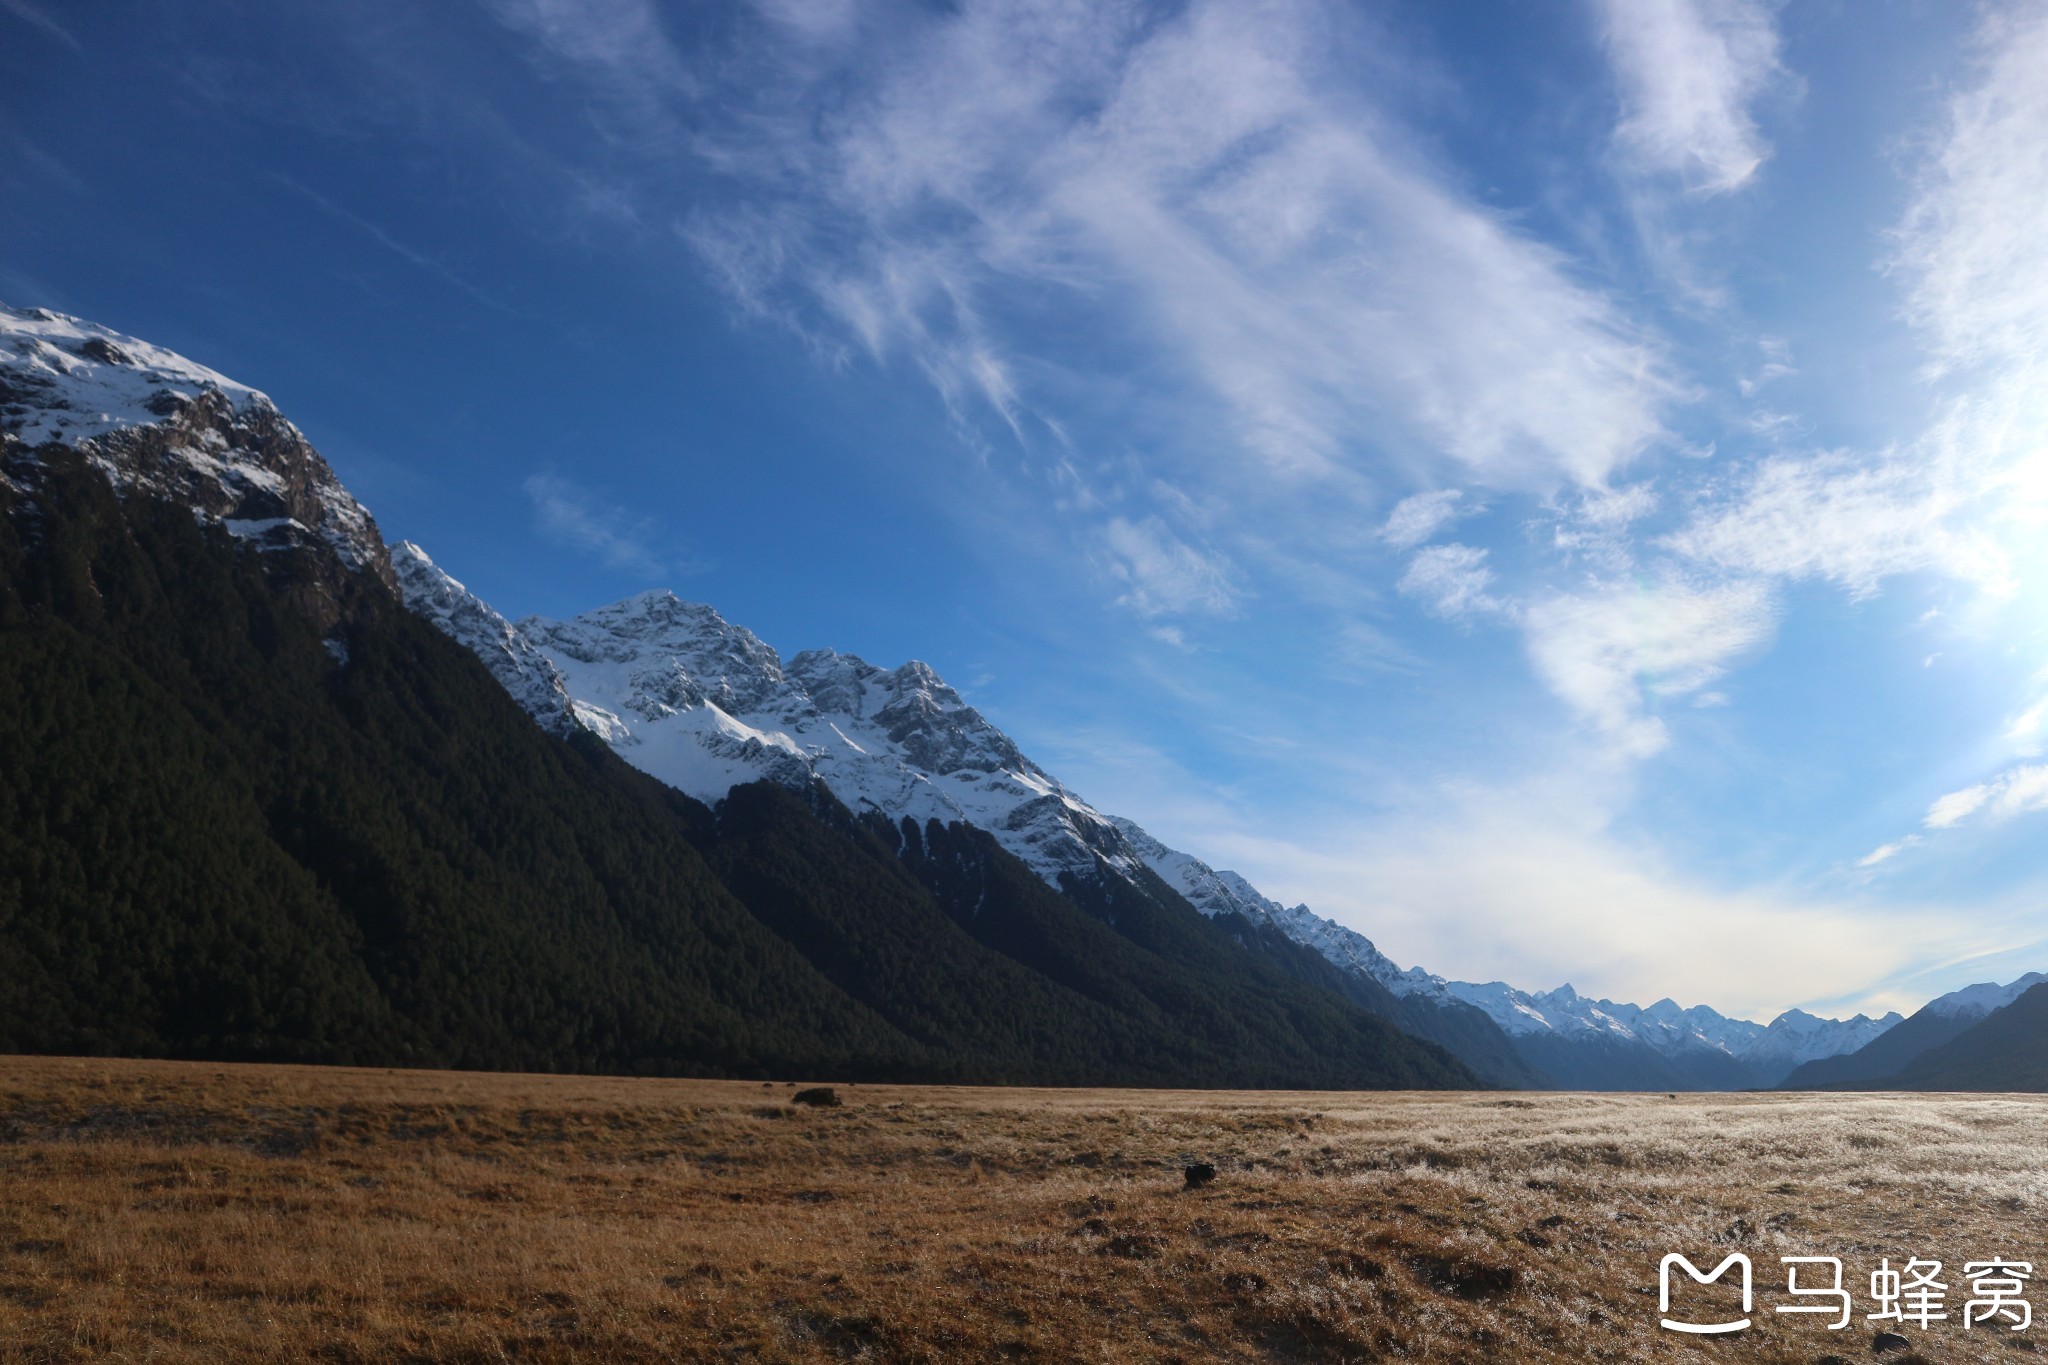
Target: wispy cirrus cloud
(1969, 247)
(1850, 520)
(2013, 792)
(1418, 517)
(1161, 574)
(1884, 853)
(1966, 498)
(1215, 174)
(1975, 282)
(571, 514)
(38, 20)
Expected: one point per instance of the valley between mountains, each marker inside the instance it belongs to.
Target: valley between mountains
(276, 791)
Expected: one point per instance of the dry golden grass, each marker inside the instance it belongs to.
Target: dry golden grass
(172, 1212)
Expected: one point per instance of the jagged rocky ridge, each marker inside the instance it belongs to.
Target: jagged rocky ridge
(529, 675)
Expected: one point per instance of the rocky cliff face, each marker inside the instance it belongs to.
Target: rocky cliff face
(160, 425)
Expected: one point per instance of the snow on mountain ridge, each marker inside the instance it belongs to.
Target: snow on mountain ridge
(1664, 1026)
(76, 380)
(166, 426)
(1219, 893)
(1982, 998)
(704, 705)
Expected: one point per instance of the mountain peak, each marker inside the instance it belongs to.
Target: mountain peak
(156, 423)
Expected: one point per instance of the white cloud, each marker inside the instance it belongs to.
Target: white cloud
(1215, 176)
(1595, 529)
(1614, 507)
(2013, 792)
(1162, 574)
(1451, 580)
(1848, 520)
(1777, 353)
(1970, 245)
(1528, 886)
(1689, 71)
(1607, 654)
(573, 515)
(35, 18)
(1417, 518)
(619, 44)
(2025, 730)
(1884, 853)
(1967, 499)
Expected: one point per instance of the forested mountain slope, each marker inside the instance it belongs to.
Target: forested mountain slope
(245, 818)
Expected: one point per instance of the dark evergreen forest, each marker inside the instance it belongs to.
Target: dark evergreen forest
(223, 836)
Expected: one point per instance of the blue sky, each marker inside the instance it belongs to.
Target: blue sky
(1559, 487)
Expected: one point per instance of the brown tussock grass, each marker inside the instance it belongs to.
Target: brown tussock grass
(183, 1212)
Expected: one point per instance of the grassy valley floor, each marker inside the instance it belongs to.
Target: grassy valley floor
(195, 1212)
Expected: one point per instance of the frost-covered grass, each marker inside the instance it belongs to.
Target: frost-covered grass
(180, 1212)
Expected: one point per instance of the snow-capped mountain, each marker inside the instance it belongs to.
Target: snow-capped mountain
(1933, 1026)
(702, 704)
(360, 853)
(159, 424)
(1796, 1037)
(1666, 1026)
(1218, 893)
(1695, 1035)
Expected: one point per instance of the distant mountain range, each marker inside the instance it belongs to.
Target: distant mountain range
(1982, 1037)
(890, 763)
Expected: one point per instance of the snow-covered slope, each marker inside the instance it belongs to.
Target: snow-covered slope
(524, 671)
(1219, 893)
(1974, 1002)
(685, 695)
(1796, 1037)
(162, 425)
(1771, 1051)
